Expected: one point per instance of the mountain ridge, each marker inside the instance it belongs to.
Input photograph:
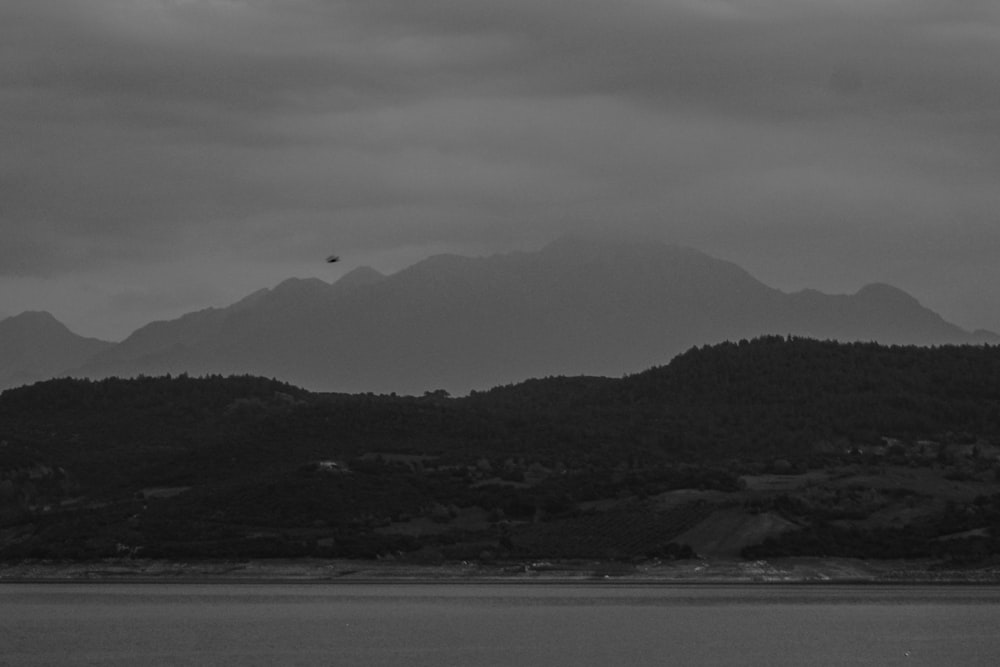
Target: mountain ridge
(35, 345)
(577, 306)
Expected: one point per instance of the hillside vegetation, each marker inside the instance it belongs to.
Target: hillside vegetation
(794, 446)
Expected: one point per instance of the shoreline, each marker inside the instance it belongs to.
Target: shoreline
(704, 572)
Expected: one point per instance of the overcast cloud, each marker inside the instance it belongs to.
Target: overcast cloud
(164, 155)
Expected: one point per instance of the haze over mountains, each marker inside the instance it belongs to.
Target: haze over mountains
(35, 345)
(578, 306)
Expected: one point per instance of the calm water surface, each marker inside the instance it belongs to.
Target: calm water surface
(496, 624)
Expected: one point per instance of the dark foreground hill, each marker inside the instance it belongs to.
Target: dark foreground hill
(768, 446)
(577, 306)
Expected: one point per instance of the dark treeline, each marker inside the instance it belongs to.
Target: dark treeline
(257, 457)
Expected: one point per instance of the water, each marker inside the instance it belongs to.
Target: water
(496, 624)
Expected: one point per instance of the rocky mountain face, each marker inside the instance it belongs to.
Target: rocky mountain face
(578, 306)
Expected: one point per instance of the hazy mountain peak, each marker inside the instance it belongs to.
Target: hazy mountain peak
(437, 268)
(300, 284)
(882, 292)
(359, 277)
(34, 318)
(35, 345)
(581, 305)
(294, 293)
(648, 261)
(36, 326)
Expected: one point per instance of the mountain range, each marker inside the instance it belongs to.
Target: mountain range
(578, 306)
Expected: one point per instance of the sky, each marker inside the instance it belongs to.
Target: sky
(161, 156)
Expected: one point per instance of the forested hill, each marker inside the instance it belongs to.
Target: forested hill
(775, 396)
(204, 466)
(753, 400)
(790, 396)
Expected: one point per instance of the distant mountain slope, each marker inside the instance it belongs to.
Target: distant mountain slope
(876, 312)
(35, 345)
(578, 306)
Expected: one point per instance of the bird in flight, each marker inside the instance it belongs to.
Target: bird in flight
(332, 258)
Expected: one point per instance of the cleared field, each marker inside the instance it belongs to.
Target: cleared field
(726, 531)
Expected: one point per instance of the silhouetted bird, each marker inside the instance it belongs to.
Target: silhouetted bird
(332, 258)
